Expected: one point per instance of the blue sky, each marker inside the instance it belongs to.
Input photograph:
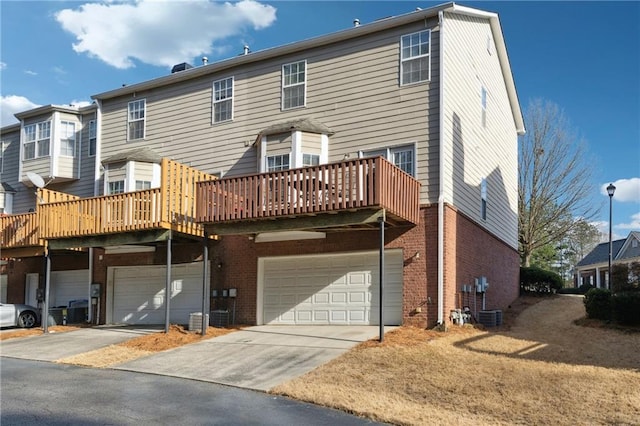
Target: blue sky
(583, 56)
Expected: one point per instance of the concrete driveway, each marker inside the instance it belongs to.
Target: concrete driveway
(53, 346)
(259, 357)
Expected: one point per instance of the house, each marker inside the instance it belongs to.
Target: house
(593, 269)
(291, 179)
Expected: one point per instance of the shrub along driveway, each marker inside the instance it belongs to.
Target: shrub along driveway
(543, 370)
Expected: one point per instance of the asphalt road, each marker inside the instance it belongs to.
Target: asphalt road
(34, 392)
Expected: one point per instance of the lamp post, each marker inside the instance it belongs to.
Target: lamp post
(610, 190)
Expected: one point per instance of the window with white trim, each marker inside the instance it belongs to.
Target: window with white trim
(136, 119)
(483, 199)
(309, 160)
(142, 185)
(67, 138)
(483, 102)
(277, 162)
(294, 84)
(223, 100)
(93, 137)
(116, 187)
(402, 157)
(37, 140)
(415, 57)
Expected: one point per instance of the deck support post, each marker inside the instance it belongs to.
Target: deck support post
(381, 277)
(47, 286)
(167, 288)
(205, 283)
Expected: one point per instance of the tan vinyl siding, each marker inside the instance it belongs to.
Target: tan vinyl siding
(311, 143)
(116, 172)
(474, 151)
(352, 87)
(144, 171)
(66, 167)
(279, 144)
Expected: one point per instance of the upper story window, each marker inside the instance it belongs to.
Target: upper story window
(142, 185)
(294, 84)
(402, 157)
(415, 53)
(223, 100)
(277, 162)
(67, 138)
(309, 160)
(136, 119)
(483, 101)
(483, 199)
(116, 187)
(93, 137)
(37, 140)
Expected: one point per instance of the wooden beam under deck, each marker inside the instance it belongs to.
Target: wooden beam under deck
(344, 219)
(141, 237)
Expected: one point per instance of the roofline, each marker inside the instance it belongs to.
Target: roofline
(51, 108)
(627, 241)
(10, 128)
(273, 52)
(349, 33)
(501, 48)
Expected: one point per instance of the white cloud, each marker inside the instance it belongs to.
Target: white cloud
(3, 66)
(161, 33)
(634, 225)
(627, 190)
(29, 72)
(12, 104)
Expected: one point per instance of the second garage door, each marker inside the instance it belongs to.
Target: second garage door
(138, 294)
(67, 286)
(330, 289)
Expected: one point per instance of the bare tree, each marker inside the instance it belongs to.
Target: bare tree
(554, 182)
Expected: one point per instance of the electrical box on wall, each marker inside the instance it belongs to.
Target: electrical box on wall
(481, 284)
(95, 290)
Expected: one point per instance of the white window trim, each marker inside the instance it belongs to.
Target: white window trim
(214, 102)
(288, 156)
(304, 104)
(95, 137)
(144, 120)
(36, 139)
(389, 150)
(402, 61)
(75, 142)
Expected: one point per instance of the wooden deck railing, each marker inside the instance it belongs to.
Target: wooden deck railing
(349, 185)
(170, 206)
(19, 230)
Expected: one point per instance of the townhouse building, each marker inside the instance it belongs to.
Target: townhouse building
(280, 185)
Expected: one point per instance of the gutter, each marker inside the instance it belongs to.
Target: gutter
(441, 178)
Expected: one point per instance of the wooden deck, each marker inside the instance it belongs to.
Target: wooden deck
(349, 186)
(59, 216)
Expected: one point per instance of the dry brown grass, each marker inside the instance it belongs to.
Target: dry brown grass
(142, 346)
(539, 369)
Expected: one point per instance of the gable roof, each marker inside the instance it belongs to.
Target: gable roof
(625, 253)
(346, 34)
(600, 254)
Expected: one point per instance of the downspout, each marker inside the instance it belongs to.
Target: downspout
(96, 177)
(441, 177)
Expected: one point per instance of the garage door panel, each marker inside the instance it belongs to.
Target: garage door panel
(67, 286)
(333, 289)
(139, 294)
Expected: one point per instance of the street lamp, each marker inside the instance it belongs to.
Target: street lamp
(610, 190)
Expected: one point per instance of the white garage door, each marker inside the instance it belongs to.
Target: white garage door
(138, 294)
(66, 286)
(331, 289)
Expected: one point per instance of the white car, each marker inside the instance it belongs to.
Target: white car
(16, 315)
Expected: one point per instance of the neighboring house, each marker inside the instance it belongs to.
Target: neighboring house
(593, 269)
(396, 138)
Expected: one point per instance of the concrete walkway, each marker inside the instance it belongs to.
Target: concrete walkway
(259, 357)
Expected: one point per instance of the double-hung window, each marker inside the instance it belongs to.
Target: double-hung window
(309, 160)
(67, 138)
(142, 185)
(37, 140)
(402, 157)
(136, 119)
(483, 199)
(415, 57)
(276, 163)
(116, 187)
(294, 84)
(223, 100)
(93, 137)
